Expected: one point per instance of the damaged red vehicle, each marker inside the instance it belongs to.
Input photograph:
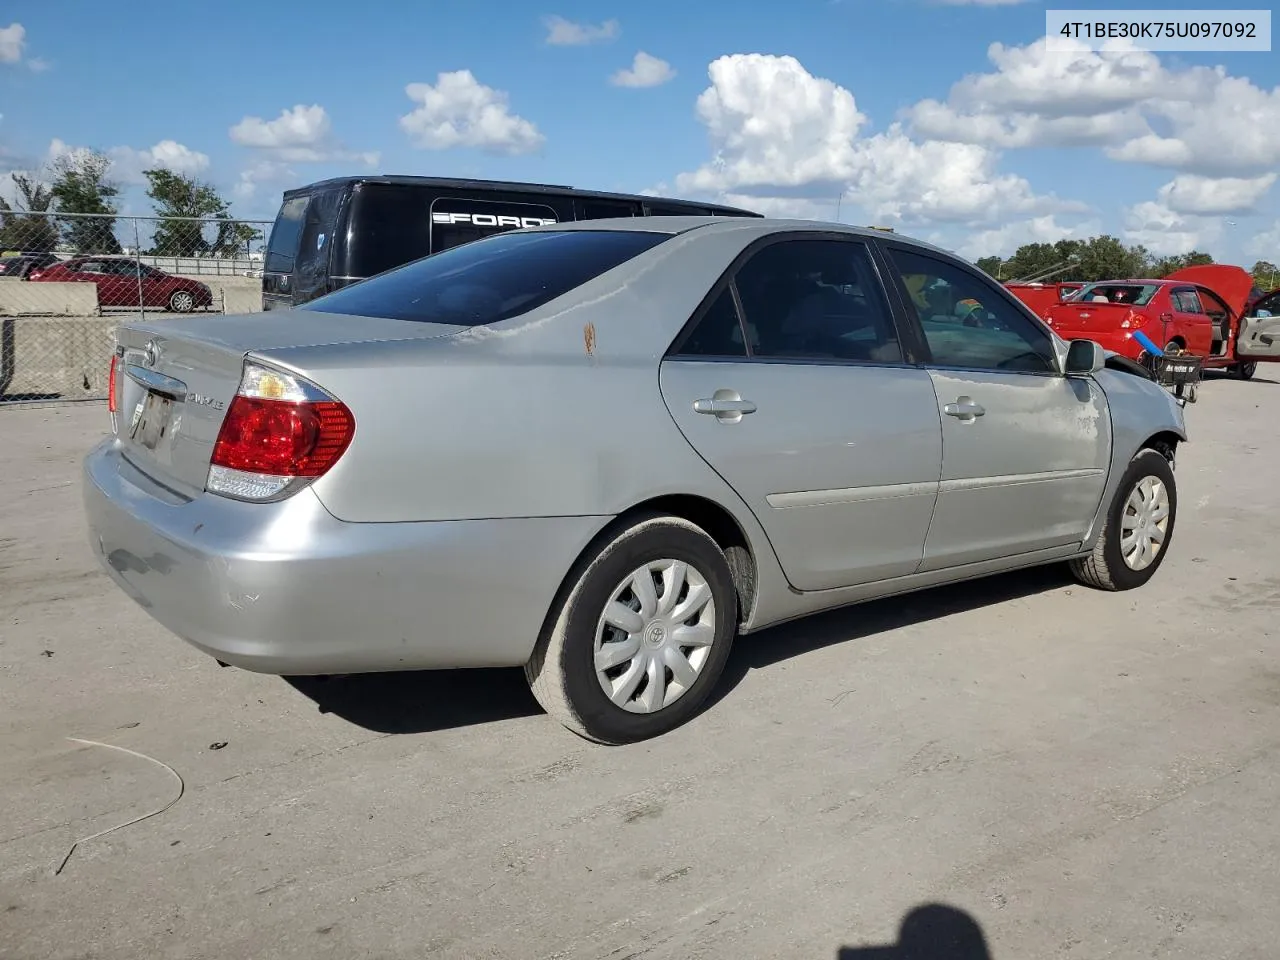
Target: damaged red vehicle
(1215, 311)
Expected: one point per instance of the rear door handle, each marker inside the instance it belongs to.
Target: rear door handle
(725, 406)
(964, 409)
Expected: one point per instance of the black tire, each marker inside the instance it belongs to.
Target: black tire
(1246, 370)
(562, 671)
(178, 298)
(1105, 567)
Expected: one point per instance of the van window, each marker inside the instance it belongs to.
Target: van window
(662, 210)
(490, 280)
(283, 245)
(455, 220)
(604, 209)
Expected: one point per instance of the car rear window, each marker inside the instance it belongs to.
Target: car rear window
(489, 280)
(1132, 294)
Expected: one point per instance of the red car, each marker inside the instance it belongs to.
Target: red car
(1214, 311)
(120, 280)
(1041, 296)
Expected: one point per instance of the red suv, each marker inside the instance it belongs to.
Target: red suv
(127, 283)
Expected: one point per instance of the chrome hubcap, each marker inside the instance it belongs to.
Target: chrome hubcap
(655, 636)
(183, 301)
(1144, 523)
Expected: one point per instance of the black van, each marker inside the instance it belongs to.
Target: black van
(335, 232)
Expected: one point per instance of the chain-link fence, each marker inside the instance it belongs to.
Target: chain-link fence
(66, 280)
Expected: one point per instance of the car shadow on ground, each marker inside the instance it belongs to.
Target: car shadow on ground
(423, 701)
(1218, 374)
(932, 931)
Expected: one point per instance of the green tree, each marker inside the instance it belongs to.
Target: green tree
(991, 265)
(1167, 265)
(183, 202)
(29, 228)
(234, 237)
(80, 186)
(1266, 274)
(1106, 258)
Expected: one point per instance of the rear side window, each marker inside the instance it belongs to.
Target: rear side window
(489, 280)
(285, 233)
(457, 220)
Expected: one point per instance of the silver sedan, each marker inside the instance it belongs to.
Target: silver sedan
(601, 450)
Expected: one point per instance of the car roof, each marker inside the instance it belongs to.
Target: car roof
(509, 186)
(760, 226)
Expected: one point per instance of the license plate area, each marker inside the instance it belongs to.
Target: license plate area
(151, 420)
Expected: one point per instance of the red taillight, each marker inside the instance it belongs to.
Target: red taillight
(111, 384)
(283, 438)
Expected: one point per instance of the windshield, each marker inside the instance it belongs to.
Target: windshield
(1130, 294)
(489, 280)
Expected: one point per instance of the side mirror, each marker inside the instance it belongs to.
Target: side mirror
(1084, 357)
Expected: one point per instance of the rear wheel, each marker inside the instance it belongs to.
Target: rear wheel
(1246, 370)
(1138, 529)
(640, 636)
(181, 301)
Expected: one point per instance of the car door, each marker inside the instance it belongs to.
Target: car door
(1025, 449)
(1190, 321)
(1259, 335)
(793, 383)
(123, 278)
(95, 272)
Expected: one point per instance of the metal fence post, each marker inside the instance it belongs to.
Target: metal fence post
(137, 252)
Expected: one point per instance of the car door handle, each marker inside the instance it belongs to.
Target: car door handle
(721, 407)
(964, 409)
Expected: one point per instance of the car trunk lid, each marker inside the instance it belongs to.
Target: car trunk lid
(176, 379)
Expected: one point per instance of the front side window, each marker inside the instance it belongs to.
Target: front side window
(490, 280)
(966, 322)
(816, 299)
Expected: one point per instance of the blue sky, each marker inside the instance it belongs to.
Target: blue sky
(863, 100)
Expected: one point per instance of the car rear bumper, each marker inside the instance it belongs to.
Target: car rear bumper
(286, 588)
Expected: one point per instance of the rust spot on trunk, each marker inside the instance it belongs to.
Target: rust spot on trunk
(589, 338)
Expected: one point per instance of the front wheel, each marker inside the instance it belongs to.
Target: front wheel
(1138, 530)
(641, 636)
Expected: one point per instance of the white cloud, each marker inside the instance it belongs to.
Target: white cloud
(1265, 245)
(459, 111)
(645, 71)
(780, 132)
(13, 39)
(1165, 232)
(1118, 98)
(1207, 196)
(1003, 240)
(127, 163)
(301, 134)
(258, 174)
(567, 33)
